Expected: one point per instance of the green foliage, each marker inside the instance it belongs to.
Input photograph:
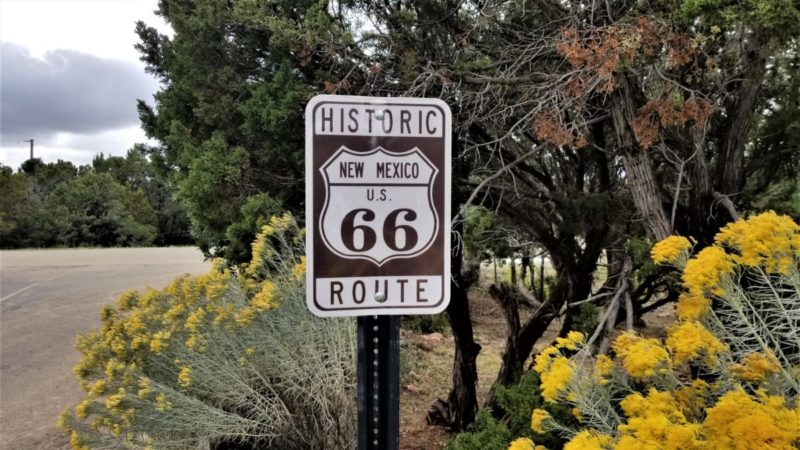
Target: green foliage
(778, 17)
(585, 318)
(15, 207)
(486, 433)
(254, 214)
(236, 79)
(425, 324)
(95, 209)
(150, 177)
(217, 168)
(116, 201)
(516, 403)
(484, 235)
(774, 160)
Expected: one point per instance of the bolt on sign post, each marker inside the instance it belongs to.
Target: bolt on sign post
(378, 232)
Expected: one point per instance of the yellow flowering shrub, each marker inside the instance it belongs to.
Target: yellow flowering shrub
(767, 240)
(690, 340)
(738, 330)
(521, 444)
(670, 250)
(757, 366)
(705, 273)
(642, 358)
(221, 357)
(555, 372)
(743, 421)
(538, 417)
(589, 440)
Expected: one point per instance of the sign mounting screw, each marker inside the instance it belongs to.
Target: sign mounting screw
(380, 297)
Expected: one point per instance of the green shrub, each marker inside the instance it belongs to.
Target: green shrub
(425, 324)
(585, 318)
(486, 433)
(516, 403)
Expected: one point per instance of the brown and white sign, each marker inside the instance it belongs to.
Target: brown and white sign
(377, 205)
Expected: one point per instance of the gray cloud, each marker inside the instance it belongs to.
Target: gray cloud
(67, 91)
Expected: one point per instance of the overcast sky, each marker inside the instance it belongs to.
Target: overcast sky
(70, 77)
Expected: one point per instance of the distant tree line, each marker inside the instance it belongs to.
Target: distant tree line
(116, 201)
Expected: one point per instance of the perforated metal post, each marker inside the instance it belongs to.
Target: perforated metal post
(378, 382)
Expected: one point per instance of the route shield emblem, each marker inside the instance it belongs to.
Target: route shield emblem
(378, 204)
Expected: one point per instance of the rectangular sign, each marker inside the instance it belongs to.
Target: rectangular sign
(377, 205)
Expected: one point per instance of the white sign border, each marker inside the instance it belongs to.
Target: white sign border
(446, 220)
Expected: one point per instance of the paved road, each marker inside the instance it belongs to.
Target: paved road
(46, 298)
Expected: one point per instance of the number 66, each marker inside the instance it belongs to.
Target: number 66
(390, 228)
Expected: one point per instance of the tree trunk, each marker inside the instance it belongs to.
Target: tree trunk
(459, 409)
(513, 271)
(526, 261)
(511, 366)
(730, 168)
(541, 280)
(638, 170)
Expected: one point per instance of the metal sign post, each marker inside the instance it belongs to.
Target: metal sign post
(378, 382)
(378, 232)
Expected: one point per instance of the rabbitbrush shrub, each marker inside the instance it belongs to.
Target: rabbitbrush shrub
(738, 329)
(222, 360)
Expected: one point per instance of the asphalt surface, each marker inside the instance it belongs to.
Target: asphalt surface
(47, 297)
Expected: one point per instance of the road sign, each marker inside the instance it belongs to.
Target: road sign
(377, 205)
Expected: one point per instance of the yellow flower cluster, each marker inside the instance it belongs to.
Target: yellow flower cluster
(741, 422)
(656, 421)
(706, 272)
(299, 271)
(258, 268)
(641, 357)
(538, 418)
(555, 370)
(757, 366)
(521, 444)
(162, 404)
(690, 340)
(524, 444)
(660, 420)
(693, 399)
(603, 366)
(670, 250)
(571, 341)
(185, 377)
(555, 380)
(76, 442)
(589, 440)
(265, 298)
(692, 307)
(767, 240)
